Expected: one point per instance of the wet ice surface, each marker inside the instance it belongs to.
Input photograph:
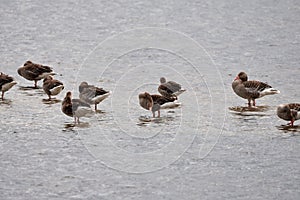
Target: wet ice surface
(183, 155)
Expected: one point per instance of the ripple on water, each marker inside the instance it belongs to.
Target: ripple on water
(25, 88)
(289, 129)
(31, 91)
(5, 102)
(51, 101)
(249, 111)
(80, 125)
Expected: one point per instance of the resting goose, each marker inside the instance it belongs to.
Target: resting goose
(52, 86)
(91, 94)
(251, 90)
(6, 82)
(34, 72)
(153, 102)
(170, 88)
(289, 112)
(75, 108)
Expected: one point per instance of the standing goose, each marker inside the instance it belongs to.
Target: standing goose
(170, 88)
(6, 82)
(34, 72)
(92, 94)
(52, 87)
(75, 108)
(154, 102)
(251, 90)
(289, 112)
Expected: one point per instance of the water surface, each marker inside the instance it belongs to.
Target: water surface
(211, 147)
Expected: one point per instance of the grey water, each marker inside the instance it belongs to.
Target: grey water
(210, 147)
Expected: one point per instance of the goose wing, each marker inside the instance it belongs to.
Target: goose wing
(294, 106)
(158, 99)
(77, 102)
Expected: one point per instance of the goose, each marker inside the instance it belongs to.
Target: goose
(154, 102)
(34, 72)
(251, 90)
(92, 94)
(289, 112)
(75, 108)
(52, 86)
(6, 83)
(170, 88)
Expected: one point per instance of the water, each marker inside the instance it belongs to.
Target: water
(208, 148)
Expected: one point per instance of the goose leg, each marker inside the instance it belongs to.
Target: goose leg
(292, 123)
(158, 113)
(153, 114)
(2, 96)
(74, 119)
(249, 102)
(253, 102)
(35, 83)
(95, 107)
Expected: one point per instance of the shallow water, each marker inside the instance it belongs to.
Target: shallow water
(210, 147)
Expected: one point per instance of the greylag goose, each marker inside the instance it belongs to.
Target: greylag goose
(34, 72)
(289, 112)
(6, 82)
(52, 87)
(91, 94)
(170, 88)
(75, 108)
(154, 102)
(251, 90)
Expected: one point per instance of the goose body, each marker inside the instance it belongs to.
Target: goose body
(289, 112)
(34, 72)
(91, 94)
(170, 88)
(6, 83)
(154, 102)
(75, 108)
(52, 87)
(251, 90)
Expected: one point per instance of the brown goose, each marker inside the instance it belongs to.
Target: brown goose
(154, 102)
(170, 88)
(251, 90)
(75, 108)
(34, 72)
(6, 82)
(92, 94)
(52, 87)
(289, 112)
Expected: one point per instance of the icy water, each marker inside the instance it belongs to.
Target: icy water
(211, 147)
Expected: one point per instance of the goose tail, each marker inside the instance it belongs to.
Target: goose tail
(269, 91)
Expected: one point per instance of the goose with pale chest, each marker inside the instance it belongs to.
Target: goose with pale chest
(251, 90)
(75, 108)
(154, 102)
(52, 86)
